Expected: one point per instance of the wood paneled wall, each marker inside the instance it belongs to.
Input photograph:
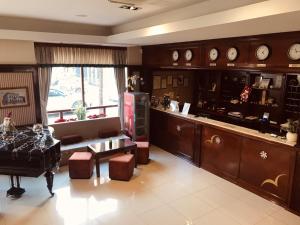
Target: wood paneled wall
(160, 56)
(21, 115)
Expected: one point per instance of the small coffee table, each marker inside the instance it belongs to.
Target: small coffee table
(107, 148)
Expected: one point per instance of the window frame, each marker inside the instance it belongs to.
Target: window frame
(100, 107)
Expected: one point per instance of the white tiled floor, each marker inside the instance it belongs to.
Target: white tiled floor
(168, 191)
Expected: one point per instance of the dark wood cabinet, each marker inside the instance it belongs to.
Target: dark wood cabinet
(295, 202)
(175, 135)
(158, 129)
(220, 151)
(182, 136)
(267, 166)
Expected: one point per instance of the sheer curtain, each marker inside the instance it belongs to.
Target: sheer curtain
(44, 74)
(121, 85)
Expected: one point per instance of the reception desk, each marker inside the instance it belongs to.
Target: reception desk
(257, 161)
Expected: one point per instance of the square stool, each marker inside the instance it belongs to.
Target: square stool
(121, 167)
(142, 152)
(81, 165)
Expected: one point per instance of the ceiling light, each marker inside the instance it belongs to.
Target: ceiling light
(130, 7)
(82, 15)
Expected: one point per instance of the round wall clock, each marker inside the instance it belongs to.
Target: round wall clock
(213, 54)
(232, 54)
(188, 55)
(262, 52)
(175, 55)
(294, 52)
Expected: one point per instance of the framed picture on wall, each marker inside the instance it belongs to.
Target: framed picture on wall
(180, 80)
(175, 82)
(164, 83)
(14, 97)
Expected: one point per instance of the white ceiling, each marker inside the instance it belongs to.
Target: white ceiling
(99, 12)
(203, 20)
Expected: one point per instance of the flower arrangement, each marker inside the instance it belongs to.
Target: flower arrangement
(80, 112)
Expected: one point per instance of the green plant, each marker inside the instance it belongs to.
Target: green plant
(293, 125)
(80, 112)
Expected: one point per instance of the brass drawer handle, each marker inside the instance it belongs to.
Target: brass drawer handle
(178, 128)
(215, 139)
(263, 155)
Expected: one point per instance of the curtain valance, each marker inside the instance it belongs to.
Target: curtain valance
(73, 55)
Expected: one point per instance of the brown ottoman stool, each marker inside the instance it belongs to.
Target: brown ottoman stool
(142, 152)
(121, 167)
(81, 165)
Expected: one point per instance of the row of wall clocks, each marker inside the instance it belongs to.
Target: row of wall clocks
(262, 53)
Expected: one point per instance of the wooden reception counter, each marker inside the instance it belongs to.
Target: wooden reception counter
(258, 162)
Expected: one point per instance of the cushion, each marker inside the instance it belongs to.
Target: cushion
(81, 156)
(70, 139)
(142, 144)
(108, 134)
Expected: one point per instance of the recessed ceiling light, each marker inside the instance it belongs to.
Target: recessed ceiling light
(82, 15)
(130, 7)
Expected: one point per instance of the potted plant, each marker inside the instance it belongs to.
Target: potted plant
(80, 112)
(292, 128)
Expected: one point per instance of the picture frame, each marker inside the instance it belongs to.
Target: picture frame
(175, 85)
(156, 82)
(180, 80)
(163, 83)
(170, 80)
(14, 97)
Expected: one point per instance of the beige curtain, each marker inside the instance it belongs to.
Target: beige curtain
(121, 85)
(44, 74)
(52, 55)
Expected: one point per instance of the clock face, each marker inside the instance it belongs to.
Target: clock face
(262, 52)
(188, 55)
(232, 54)
(294, 51)
(175, 55)
(213, 54)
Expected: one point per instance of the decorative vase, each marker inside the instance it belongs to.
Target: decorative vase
(291, 137)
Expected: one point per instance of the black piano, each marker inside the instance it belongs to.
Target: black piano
(27, 154)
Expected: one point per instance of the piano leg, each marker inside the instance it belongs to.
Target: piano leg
(16, 192)
(49, 178)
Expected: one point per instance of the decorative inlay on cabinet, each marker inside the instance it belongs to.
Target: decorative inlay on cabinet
(261, 162)
(273, 182)
(220, 151)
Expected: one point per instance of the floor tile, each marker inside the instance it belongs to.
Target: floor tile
(163, 215)
(216, 217)
(191, 207)
(168, 190)
(286, 217)
(244, 213)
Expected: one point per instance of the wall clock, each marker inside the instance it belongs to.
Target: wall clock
(175, 55)
(213, 54)
(262, 52)
(294, 52)
(188, 55)
(232, 54)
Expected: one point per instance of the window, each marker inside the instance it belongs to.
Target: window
(73, 86)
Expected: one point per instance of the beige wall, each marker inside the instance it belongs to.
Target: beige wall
(17, 52)
(134, 55)
(21, 115)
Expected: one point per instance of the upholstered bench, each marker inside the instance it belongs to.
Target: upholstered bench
(142, 152)
(81, 165)
(121, 167)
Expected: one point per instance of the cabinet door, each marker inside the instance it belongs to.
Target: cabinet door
(220, 151)
(266, 166)
(158, 129)
(182, 136)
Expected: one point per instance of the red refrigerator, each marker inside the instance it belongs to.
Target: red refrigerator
(136, 115)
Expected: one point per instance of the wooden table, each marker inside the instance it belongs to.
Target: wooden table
(107, 148)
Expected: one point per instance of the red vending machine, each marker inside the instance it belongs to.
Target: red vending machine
(136, 115)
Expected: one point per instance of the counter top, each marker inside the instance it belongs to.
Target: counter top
(231, 127)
